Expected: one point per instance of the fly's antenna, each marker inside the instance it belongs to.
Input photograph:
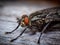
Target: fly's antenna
(18, 20)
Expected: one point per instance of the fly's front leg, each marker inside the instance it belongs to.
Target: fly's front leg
(45, 27)
(13, 30)
(19, 35)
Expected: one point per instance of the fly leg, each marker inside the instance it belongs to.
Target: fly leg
(19, 35)
(32, 30)
(42, 32)
(13, 30)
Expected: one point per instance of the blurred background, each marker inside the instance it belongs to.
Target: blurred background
(10, 9)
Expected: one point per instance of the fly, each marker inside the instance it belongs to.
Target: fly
(44, 19)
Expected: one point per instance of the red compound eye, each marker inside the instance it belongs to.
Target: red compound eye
(26, 20)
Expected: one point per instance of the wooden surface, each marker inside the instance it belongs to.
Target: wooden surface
(8, 23)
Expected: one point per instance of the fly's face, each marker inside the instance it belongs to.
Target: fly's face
(24, 21)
